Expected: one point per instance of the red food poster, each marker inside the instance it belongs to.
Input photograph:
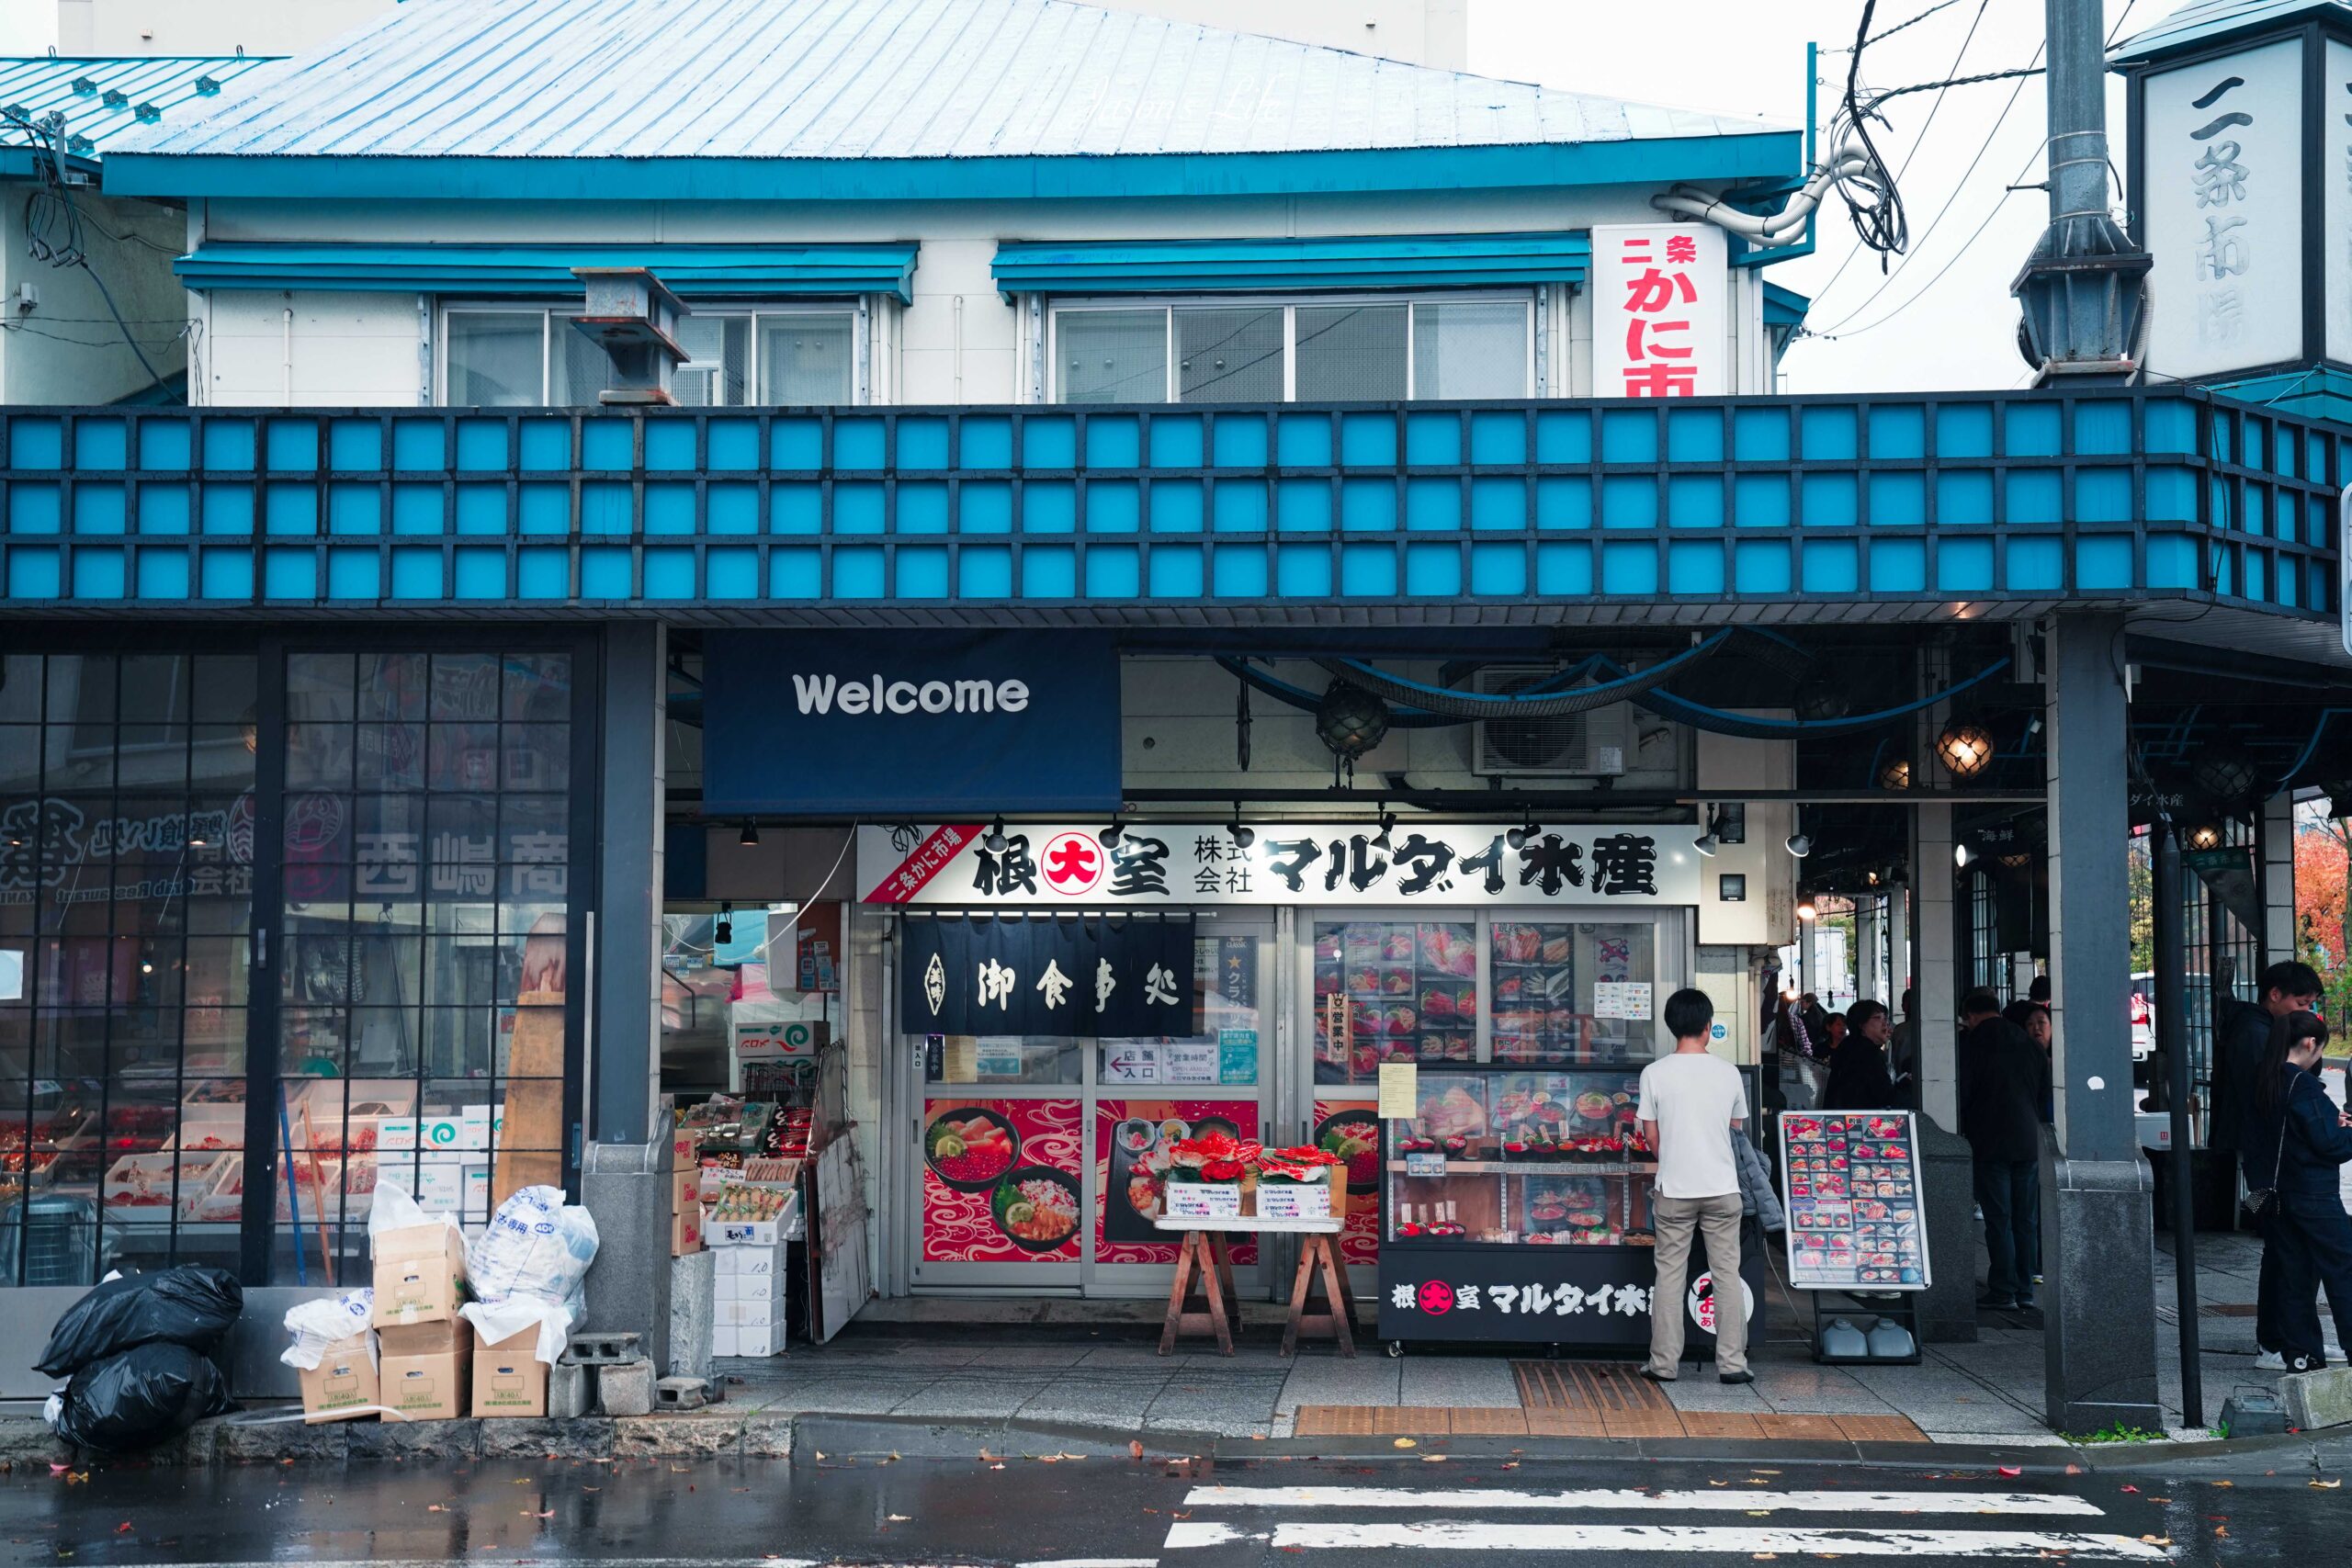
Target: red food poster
(1131, 1144)
(1350, 1128)
(1001, 1181)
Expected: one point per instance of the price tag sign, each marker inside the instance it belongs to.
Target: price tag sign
(1625, 999)
(1425, 1164)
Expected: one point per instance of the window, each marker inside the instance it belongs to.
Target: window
(1270, 352)
(530, 357)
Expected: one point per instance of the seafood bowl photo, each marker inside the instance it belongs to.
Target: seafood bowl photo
(1354, 1136)
(1036, 1207)
(970, 1148)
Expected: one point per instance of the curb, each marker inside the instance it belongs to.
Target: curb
(718, 1433)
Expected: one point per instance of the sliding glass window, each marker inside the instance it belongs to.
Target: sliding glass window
(1321, 350)
(737, 356)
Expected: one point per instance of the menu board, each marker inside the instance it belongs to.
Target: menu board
(1856, 1218)
(1408, 991)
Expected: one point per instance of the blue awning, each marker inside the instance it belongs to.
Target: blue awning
(1784, 306)
(1379, 261)
(690, 271)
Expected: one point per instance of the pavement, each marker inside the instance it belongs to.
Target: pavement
(1394, 1507)
(1110, 1376)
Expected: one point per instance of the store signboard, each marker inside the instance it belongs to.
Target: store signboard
(1144, 866)
(1083, 977)
(903, 724)
(1567, 1295)
(1658, 298)
(1857, 1216)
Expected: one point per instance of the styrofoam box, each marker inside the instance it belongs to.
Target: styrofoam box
(396, 1133)
(727, 1259)
(755, 1341)
(755, 1262)
(765, 1233)
(723, 1341)
(760, 1313)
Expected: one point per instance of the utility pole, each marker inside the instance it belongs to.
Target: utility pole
(2082, 289)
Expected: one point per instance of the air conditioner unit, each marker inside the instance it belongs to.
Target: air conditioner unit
(1594, 744)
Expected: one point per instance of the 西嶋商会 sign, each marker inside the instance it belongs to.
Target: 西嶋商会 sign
(1144, 864)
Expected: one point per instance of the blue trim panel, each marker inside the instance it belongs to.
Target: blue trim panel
(2323, 391)
(1784, 306)
(1527, 507)
(690, 271)
(1379, 261)
(1658, 161)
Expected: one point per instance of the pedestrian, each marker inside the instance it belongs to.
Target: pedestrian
(1692, 1103)
(2038, 991)
(1858, 1075)
(2297, 1139)
(1903, 1053)
(2241, 1044)
(2033, 1017)
(2002, 1080)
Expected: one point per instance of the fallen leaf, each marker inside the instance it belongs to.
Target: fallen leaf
(2130, 1488)
(1135, 1449)
(2225, 1484)
(2012, 1470)
(1765, 1513)
(1510, 1464)
(1407, 1443)
(57, 1470)
(2327, 1485)
(902, 1518)
(821, 1453)
(123, 1529)
(436, 1508)
(592, 1489)
(549, 1515)
(2156, 1540)
(995, 1467)
(1432, 1458)
(2221, 1529)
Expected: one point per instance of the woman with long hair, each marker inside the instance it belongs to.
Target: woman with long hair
(1858, 1075)
(2295, 1141)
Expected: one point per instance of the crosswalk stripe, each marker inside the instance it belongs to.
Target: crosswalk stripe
(1473, 1535)
(1713, 1500)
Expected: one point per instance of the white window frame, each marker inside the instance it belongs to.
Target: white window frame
(552, 322)
(1168, 304)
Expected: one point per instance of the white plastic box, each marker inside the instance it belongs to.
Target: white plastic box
(1204, 1199)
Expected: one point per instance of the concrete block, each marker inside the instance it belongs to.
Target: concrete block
(551, 1438)
(627, 1188)
(681, 1392)
(703, 1434)
(2317, 1401)
(603, 1349)
(767, 1437)
(571, 1391)
(625, 1388)
(460, 1438)
(1948, 1195)
(694, 1281)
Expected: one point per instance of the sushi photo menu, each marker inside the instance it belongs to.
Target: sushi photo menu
(1856, 1221)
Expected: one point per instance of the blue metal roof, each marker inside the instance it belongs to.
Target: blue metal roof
(764, 86)
(2201, 22)
(1384, 261)
(102, 98)
(690, 271)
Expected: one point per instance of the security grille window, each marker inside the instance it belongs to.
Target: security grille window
(498, 356)
(1985, 967)
(1272, 351)
(126, 888)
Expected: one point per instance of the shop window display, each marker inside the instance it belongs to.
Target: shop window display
(1393, 990)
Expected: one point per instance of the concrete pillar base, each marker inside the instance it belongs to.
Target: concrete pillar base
(626, 1190)
(2098, 1256)
(1948, 1177)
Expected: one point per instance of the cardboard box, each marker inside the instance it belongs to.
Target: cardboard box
(1204, 1199)
(685, 1190)
(426, 1371)
(344, 1385)
(396, 1133)
(685, 1231)
(509, 1378)
(420, 1277)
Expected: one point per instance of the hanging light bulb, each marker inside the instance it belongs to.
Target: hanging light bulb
(1966, 748)
(995, 844)
(2205, 836)
(1110, 834)
(1707, 843)
(1240, 832)
(1519, 837)
(1806, 909)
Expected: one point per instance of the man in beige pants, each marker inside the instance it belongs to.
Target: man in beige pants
(1692, 1105)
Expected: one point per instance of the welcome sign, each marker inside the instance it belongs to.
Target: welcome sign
(908, 725)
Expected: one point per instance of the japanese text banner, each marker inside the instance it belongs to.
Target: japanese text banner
(1659, 292)
(1077, 977)
(1161, 864)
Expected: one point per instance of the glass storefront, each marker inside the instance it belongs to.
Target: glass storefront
(210, 1052)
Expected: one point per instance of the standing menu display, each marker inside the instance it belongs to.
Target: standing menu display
(1856, 1218)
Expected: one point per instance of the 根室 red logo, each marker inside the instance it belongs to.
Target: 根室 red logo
(1073, 863)
(1437, 1298)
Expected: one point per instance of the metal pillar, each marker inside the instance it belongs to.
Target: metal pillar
(2096, 1245)
(1934, 974)
(2274, 828)
(625, 1178)
(2082, 290)
(2172, 1036)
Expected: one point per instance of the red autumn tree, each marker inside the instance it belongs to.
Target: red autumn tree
(2322, 848)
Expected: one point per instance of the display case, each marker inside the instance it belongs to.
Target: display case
(1515, 1208)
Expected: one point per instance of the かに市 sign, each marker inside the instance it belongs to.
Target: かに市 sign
(1060, 865)
(1658, 294)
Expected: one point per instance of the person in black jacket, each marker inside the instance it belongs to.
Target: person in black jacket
(2296, 1140)
(1858, 1075)
(2002, 1080)
(2240, 1046)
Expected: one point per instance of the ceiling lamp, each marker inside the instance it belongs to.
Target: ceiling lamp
(2205, 836)
(1820, 699)
(749, 836)
(1519, 837)
(1805, 910)
(1241, 833)
(1387, 826)
(995, 842)
(1707, 843)
(2226, 778)
(1895, 774)
(1960, 856)
(1350, 721)
(1965, 748)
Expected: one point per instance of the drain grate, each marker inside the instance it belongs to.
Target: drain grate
(1601, 1387)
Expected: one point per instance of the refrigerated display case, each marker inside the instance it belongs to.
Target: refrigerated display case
(1515, 1208)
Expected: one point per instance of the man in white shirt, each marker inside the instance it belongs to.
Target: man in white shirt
(1692, 1105)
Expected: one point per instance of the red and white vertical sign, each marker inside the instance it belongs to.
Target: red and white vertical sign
(1659, 292)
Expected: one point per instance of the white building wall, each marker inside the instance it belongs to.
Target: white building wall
(960, 341)
(66, 346)
(279, 350)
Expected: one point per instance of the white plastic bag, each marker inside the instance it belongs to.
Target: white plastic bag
(536, 1246)
(328, 1321)
(394, 1209)
(496, 1321)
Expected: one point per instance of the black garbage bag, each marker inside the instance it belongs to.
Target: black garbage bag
(141, 1397)
(186, 1305)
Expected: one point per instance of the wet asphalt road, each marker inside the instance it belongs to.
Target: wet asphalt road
(1101, 1513)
